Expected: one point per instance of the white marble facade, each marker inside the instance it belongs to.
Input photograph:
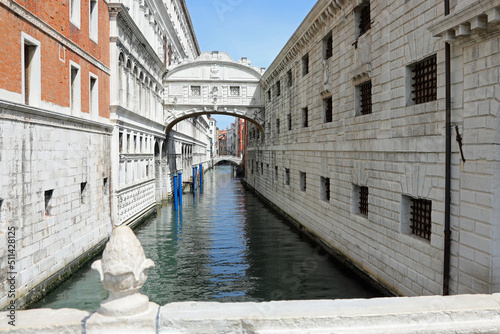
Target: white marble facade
(147, 37)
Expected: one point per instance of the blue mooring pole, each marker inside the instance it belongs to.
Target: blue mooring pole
(175, 192)
(201, 178)
(194, 179)
(180, 188)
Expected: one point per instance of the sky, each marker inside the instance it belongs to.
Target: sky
(256, 29)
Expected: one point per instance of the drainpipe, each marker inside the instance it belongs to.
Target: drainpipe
(447, 196)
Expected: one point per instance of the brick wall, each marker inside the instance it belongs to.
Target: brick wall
(55, 56)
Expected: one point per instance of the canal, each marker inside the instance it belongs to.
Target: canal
(224, 245)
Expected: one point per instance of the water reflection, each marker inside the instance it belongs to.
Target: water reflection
(222, 245)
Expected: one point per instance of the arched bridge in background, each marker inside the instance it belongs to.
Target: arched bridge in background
(211, 84)
(230, 158)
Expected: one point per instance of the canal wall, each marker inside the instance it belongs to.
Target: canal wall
(336, 255)
(55, 210)
(429, 314)
(351, 153)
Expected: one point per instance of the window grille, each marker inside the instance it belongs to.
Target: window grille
(328, 105)
(421, 217)
(364, 20)
(365, 91)
(278, 88)
(425, 81)
(276, 173)
(287, 176)
(195, 90)
(363, 201)
(234, 91)
(290, 78)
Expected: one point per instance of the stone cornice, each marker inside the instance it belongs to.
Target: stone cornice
(317, 18)
(190, 25)
(121, 11)
(478, 16)
(56, 35)
(52, 118)
(135, 121)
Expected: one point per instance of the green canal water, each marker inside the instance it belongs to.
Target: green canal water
(224, 245)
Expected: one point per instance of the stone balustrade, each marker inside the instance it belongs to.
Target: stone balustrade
(123, 271)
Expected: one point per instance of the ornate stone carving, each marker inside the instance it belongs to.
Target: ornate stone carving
(214, 72)
(123, 270)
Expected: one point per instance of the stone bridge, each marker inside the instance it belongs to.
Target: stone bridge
(231, 158)
(211, 84)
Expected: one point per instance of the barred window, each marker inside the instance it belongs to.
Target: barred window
(195, 90)
(278, 88)
(290, 78)
(424, 81)
(234, 91)
(277, 125)
(365, 97)
(420, 217)
(276, 174)
(287, 176)
(328, 109)
(289, 122)
(269, 95)
(363, 201)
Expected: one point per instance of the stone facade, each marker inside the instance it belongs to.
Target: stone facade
(353, 154)
(83, 140)
(55, 169)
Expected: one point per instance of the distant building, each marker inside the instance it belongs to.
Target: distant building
(214, 137)
(222, 138)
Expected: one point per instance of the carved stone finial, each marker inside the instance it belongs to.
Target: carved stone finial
(123, 270)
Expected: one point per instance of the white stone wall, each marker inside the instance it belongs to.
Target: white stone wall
(40, 152)
(429, 314)
(398, 150)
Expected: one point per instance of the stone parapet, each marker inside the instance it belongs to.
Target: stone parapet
(429, 314)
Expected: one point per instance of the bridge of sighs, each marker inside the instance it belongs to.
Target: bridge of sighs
(214, 83)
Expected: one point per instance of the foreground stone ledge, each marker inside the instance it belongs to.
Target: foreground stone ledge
(44, 321)
(433, 314)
